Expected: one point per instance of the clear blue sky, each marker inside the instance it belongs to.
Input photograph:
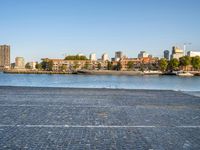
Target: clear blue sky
(50, 28)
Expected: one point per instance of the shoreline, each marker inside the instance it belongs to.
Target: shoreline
(85, 72)
(189, 92)
(98, 72)
(34, 72)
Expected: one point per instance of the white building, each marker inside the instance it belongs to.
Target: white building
(177, 53)
(105, 57)
(193, 54)
(19, 63)
(93, 57)
(143, 54)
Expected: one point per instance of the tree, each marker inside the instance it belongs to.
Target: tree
(86, 66)
(109, 66)
(185, 61)
(119, 66)
(44, 64)
(63, 68)
(130, 65)
(163, 64)
(47, 65)
(28, 66)
(38, 66)
(76, 65)
(196, 62)
(75, 57)
(173, 64)
(99, 66)
(50, 65)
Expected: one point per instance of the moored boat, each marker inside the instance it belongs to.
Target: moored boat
(184, 74)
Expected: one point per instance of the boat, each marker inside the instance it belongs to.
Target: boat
(184, 74)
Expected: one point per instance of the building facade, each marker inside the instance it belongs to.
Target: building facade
(93, 57)
(105, 57)
(59, 64)
(143, 54)
(4, 56)
(193, 54)
(177, 53)
(166, 54)
(118, 55)
(19, 63)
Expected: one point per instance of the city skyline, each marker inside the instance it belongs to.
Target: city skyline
(36, 29)
(88, 56)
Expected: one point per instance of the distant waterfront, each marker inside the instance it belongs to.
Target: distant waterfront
(103, 81)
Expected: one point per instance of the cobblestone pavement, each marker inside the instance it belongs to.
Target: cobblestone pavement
(61, 118)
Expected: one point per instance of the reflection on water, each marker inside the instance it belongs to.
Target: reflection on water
(102, 81)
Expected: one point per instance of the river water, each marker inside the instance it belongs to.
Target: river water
(102, 81)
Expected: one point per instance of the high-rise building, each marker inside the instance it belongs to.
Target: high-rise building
(4, 56)
(19, 63)
(93, 57)
(193, 54)
(105, 57)
(166, 54)
(118, 55)
(143, 54)
(177, 52)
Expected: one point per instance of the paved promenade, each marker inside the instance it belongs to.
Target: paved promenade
(58, 118)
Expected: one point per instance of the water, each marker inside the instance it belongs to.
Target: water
(102, 81)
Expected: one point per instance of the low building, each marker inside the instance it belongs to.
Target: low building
(19, 63)
(58, 64)
(124, 62)
(138, 62)
(193, 53)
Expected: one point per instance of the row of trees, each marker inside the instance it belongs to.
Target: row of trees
(44, 65)
(184, 62)
(75, 57)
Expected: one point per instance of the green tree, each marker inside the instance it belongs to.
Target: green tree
(99, 66)
(130, 65)
(173, 64)
(163, 64)
(86, 66)
(119, 65)
(47, 65)
(63, 68)
(28, 66)
(50, 65)
(196, 62)
(38, 66)
(185, 61)
(109, 65)
(44, 64)
(75, 57)
(76, 65)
